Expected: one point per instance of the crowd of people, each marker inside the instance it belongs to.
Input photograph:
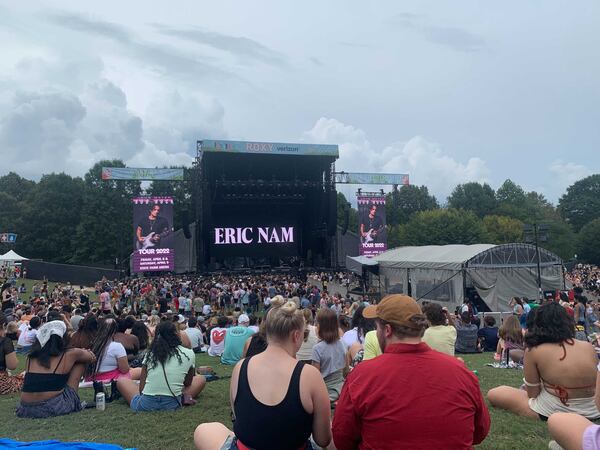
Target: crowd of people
(586, 276)
(324, 370)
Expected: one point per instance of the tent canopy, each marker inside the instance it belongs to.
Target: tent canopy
(444, 273)
(356, 263)
(450, 257)
(12, 256)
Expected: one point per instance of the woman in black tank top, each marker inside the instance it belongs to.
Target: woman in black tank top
(278, 401)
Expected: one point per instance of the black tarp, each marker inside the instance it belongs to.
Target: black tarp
(84, 275)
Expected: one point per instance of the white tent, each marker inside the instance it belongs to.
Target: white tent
(356, 263)
(12, 256)
(442, 272)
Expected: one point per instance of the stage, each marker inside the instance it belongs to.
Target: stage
(260, 205)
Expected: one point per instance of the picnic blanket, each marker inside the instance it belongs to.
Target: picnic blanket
(56, 445)
(504, 365)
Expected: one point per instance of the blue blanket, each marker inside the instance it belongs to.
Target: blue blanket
(56, 445)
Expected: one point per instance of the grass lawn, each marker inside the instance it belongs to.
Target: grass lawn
(118, 425)
(51, 284)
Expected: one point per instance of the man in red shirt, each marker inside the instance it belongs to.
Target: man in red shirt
(410, 397)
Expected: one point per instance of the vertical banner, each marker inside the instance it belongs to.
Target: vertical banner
(371, 222)
(153, 234)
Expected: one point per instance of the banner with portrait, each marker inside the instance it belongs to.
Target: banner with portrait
(371, 222)
(153, 234)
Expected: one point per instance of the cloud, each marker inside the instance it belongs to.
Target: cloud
(355, 148)
(184, 119)
(315, 61)
(427, 164)
(243, 48)
(355, 45)
(565, 174)
(455, 38)
(89, 25)
(423, 160)
(161, 58)
(60, 130)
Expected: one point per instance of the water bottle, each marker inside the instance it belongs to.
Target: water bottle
(100, 401)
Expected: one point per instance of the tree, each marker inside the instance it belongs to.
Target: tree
(342, 206)
(16, 186)
(406, 201)
(479, 198)
(444, 226)
(561, 238)
(10, 213)
(512, 201)
(502, 229)
(581, 203)
(50, 216)
(105, 232)
(588, 242)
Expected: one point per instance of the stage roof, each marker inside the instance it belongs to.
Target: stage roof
(431, 256)
(268, 148)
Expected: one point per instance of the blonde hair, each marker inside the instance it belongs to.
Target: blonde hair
(308, 316)
(511, 331)
(153, 321)
(282, 320)
(277, 301)
(12, 327)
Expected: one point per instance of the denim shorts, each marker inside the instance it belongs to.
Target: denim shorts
(143, 402)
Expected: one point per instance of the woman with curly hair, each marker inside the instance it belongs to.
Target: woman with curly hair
(167, 379)
(560, 371)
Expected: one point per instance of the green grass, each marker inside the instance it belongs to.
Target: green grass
(29, 286)
(174, 430)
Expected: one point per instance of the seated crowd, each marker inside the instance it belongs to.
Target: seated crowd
(322, 370)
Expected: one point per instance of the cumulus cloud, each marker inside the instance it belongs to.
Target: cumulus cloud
(427, 164)
(423, 160)
(567, 173)
(37, 126)
(355, 148)
(60, 127)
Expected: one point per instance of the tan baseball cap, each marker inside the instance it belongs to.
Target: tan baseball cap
(397, 309)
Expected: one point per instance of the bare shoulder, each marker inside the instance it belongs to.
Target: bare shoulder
(74, 352)
(584, 347)
(236, 369)
(310, 372)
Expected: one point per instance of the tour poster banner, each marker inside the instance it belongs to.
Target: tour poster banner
(372, 226)
(153, 234)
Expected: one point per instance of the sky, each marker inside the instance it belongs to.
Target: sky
(448, 92)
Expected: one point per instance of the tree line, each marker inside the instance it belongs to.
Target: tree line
(85, 220)
(76, 220)
(476, 213)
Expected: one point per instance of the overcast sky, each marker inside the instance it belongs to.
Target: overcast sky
(446, 91)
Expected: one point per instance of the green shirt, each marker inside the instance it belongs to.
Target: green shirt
(371, 346)
(175, 372)
(235, 339)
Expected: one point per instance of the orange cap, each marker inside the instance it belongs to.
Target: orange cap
(397, 309)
